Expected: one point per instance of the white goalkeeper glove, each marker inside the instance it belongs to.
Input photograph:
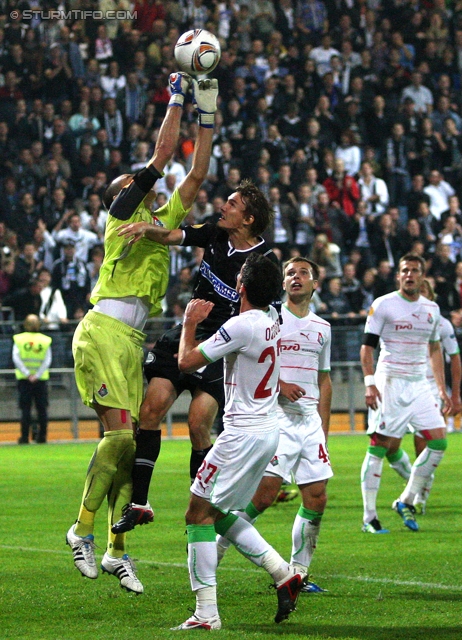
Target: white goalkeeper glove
(205, 94)
(179, 84)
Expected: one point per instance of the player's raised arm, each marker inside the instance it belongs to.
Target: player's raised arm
(205, 94)
(125, 193)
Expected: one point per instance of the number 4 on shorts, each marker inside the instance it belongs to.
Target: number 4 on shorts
(323, 454)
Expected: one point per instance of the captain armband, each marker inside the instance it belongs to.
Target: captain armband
(371, 340)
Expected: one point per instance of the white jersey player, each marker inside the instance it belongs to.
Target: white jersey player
(250, 345)
(451, 353)
(407, 325)
(303, 415)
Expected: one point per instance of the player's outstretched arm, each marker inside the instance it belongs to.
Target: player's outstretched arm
(205, 94)
(169, 133)
(134, 231)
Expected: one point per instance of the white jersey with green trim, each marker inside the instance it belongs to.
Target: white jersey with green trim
(250, 345)
(305, 350)
(449, 345)
(405, 328)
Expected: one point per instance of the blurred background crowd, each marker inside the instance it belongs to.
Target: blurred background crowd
(346, 113)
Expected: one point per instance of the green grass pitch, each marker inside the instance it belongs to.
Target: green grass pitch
(401, 586)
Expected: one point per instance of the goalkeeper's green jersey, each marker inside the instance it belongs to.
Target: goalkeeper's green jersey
(140, 269)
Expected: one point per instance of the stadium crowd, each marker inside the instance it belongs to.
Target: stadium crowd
(347, 115)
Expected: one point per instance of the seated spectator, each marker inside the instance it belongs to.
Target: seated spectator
(113, 81)
(428, 224)
(442, 269)
(451, 235)
(7, 266)
(93, 267)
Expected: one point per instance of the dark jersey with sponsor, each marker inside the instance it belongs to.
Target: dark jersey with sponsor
(218, 271)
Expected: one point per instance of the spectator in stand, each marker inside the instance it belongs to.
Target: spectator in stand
(70, 275)
(384, 244)
(343, 190)
(422, 96)
(351, 288)
(25, 300)
(373, 190)
(349, 152)
(82, 240)
(53, 312)
(451, 153)
(384, 280)
(322, 55)
(416, 195)
(311, 20)
(396, 155)
(326, 254)
(439, 192)
(94, 217)
(429, 224)
(414, 233)
(442, 112)
(280, 233)
(442, 269)
(451, 235)
(329, 220)
(377, 123)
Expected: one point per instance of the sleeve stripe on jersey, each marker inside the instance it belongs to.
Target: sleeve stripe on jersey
(205, 355)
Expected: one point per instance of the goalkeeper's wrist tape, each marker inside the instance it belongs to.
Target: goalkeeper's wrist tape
(176, 100)
(207, 120)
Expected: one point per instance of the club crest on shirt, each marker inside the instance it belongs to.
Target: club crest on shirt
(102, 391)
(430, 318)
(321, 339)
(157, 222)
(274, 461)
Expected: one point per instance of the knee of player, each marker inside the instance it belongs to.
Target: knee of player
(151, 415)
(439, 444)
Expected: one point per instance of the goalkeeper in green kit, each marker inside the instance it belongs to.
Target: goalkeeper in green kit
(107, 344)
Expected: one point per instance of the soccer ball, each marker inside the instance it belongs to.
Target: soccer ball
(197, 52)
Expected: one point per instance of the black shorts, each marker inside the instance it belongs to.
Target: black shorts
(161, 363)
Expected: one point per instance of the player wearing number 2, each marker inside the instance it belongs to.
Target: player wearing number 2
(303, 415)
(250, 344)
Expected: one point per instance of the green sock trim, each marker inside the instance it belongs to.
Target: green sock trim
(376, 450)
(222, 526)
(200, 533)
(440, 444)
(394, 457)
(251, 511)
(308, 514)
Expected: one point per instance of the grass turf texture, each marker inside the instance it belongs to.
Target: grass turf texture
(401, 586)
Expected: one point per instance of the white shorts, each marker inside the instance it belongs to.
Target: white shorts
(404, 403)
(301, 451)
(233, 468)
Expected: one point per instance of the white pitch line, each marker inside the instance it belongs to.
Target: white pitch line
(331, 576)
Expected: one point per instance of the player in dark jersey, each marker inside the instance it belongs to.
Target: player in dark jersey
(227, 245)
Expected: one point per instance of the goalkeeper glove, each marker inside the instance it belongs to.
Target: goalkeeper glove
(205, 94)
(179, 84)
